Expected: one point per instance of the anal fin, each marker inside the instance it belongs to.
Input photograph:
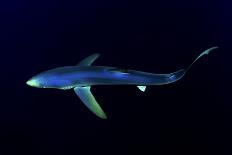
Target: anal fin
(142, 88)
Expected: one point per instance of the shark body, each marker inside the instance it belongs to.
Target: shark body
(84, 75)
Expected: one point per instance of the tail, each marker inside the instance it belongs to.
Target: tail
(172, 77)
(206, 52)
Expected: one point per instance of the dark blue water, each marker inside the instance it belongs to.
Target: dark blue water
(191, 116)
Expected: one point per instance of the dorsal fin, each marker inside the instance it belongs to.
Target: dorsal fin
(88, 60)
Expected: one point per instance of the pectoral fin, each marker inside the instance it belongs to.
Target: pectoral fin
(88, 99)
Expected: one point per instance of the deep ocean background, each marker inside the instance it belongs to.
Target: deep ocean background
(191, 116)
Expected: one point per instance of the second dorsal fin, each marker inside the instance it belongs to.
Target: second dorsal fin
(88, 60)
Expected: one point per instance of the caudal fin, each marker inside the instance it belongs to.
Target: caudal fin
(206, 52)
(172, 77)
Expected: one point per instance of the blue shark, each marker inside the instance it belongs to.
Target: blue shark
(84, 75)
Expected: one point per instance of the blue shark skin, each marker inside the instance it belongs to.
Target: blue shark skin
(83, 75)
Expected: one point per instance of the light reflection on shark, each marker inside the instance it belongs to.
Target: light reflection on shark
(82, 76)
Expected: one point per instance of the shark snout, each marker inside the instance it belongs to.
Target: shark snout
(32, 82)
